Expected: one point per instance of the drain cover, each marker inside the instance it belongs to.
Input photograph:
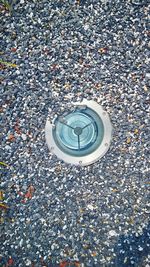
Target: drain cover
(81, 136)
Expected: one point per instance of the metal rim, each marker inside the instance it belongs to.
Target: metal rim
(95, 155)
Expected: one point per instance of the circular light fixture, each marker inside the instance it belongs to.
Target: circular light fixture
(81, 136)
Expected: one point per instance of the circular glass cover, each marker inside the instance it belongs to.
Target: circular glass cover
(81, 136)
(78, 133)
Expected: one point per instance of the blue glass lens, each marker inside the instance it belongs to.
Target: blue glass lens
(79, 133)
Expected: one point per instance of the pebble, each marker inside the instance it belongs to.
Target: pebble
(147, 75)
(140, 249)
(17, 72)
(21, 243)
(112, 233)
(7, 147)
(28, 262)
(24, 137)
(90, 207)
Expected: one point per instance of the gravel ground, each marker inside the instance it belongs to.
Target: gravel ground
(52, 53)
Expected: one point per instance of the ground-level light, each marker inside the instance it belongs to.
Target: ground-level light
(81, 136)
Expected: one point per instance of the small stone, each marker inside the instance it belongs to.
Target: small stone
(91, 207)
(140, 248)
(128, 140)
(11, 138)
(21, 243)
(94, 254)
(31, 15)
(52, 247)
(145, 88)
(24, 137)
(28, 220)
(147, 75)
(112, 233)
(102, 50)
(86, 27)
(28, 262)
(7, 147)
(1, 220)
(136, 131)
(17, 72)
(125, 260)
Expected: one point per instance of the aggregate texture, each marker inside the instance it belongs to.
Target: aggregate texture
(54, 53)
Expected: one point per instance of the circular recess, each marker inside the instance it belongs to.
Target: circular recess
(81, 136)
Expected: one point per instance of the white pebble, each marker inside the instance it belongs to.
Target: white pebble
(52, 247)
(17, 72)
(61, 254)
(86, 27)
(31, 15)
(28, 262)
(147, 75)
(24, 137)
(90, 207)
(7, 147)
(21, 243)
(112, 233)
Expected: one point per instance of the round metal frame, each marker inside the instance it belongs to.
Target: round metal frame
(94, 155)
